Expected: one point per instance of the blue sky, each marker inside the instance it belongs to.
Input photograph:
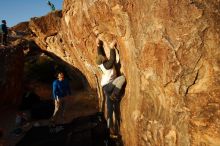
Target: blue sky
(16, 11)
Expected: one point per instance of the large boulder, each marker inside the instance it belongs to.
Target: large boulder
(169, 54)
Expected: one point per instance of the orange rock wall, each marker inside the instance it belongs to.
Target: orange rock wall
(170, 56)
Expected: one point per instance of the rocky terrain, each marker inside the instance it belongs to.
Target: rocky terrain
(11, 75)
(169, 51)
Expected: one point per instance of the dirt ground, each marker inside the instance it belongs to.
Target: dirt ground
(80, 104)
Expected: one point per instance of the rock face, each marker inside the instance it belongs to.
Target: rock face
(170, 56)
(11, 75)
(46, 27)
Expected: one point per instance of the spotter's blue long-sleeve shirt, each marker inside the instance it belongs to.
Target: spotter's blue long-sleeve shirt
(61, 89)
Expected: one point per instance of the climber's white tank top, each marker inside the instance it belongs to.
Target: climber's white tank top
(108, 75)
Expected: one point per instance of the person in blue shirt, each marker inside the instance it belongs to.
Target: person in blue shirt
(61, 89)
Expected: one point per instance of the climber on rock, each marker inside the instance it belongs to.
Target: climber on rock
(110, 82)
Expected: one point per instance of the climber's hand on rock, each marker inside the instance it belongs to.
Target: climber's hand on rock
(113, 44)
(99, 42)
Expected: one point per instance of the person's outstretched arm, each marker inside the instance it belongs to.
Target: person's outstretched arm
(100, 48)
(109, 64)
